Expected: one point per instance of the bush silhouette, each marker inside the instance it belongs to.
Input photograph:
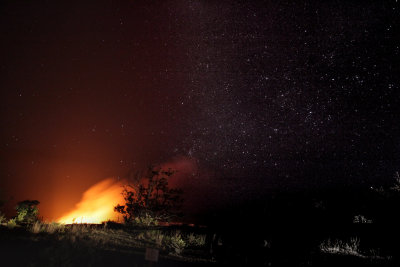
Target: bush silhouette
(27, 211)
(151, 197)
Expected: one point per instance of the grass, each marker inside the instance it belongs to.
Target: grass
(196, 240)
(341, 247)
(52, 244)
(12, 223)
(50, 228)
(36, 228)
(169, 243)
(175, 243)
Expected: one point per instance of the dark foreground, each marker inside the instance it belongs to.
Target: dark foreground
(118, 247)
(88, 246)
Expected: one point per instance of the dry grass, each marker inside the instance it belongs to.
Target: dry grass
(90, 241)
(36, 228)
(128, 240)
(50, 228)
(341, 247)
(12, 223)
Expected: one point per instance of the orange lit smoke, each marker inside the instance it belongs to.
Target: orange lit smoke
(97, 204)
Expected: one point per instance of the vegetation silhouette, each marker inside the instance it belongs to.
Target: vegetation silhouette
(150, 199)
(27, 211)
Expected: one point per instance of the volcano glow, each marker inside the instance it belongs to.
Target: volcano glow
(97, 204)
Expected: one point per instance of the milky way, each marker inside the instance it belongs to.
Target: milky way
(292, 86)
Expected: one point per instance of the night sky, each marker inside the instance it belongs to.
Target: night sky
(251, 97)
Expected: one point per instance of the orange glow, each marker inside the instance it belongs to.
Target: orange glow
(97, 204)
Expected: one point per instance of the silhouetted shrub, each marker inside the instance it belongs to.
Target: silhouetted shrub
(196, 240)
(27, 211)
(145, 220)
(175, 244)
(150, 199)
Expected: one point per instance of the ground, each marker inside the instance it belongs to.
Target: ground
(117, 245)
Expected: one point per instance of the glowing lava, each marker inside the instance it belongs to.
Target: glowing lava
(97, 204)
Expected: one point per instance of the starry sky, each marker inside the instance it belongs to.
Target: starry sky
(253, 96)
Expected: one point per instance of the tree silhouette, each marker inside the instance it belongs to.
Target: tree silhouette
(150, 196)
